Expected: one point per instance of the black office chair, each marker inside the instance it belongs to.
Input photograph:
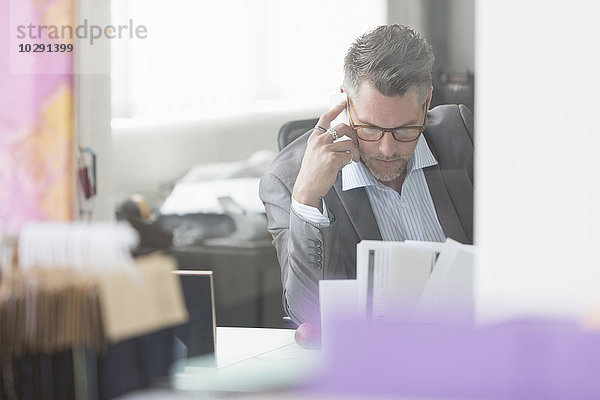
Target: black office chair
(292, 130)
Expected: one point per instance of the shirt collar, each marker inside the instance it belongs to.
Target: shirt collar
(355, 175)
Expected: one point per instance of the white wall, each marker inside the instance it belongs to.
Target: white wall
(150, 155)
(538, 192)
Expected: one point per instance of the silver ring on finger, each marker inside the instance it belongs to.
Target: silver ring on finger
(333, 133)
(321, 128)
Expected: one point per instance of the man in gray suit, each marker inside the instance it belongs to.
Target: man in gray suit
(405, 173)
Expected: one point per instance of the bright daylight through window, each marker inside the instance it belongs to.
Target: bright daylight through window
(223, 57)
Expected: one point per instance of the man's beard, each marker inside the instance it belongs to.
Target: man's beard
(386, 175)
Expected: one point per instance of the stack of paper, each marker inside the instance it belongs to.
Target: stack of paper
(404, 281)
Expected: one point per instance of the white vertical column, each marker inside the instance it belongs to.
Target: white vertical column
(92, 86)
(537, 151)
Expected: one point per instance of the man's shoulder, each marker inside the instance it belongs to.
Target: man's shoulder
(286, 164)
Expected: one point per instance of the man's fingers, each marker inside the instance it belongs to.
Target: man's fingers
(343, 129)
(341, 159)
(345, 146)
(325, 119)
(348, 145)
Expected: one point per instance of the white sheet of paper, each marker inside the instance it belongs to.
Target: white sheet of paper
(391, 277)
(448, 294)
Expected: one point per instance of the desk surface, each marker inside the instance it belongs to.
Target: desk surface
(235, 345)
(248, 360)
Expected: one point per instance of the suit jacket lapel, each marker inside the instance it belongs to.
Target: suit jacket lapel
(444, 207)
(357, 205)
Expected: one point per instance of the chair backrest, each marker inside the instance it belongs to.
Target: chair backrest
(290, 131)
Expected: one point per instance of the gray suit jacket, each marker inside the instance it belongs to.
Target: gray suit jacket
(310, 253)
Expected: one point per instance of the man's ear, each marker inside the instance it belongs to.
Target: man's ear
(341, 89)
(429, 98)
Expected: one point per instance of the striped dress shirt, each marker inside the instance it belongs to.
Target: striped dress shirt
(409, 215)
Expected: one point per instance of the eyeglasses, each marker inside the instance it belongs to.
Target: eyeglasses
(372, 133)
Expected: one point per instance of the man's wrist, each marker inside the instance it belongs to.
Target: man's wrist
(308, 201)
(312, 215)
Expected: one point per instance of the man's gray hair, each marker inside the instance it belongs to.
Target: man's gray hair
(392, 58)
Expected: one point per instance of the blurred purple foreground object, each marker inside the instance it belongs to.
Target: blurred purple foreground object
(520, 360)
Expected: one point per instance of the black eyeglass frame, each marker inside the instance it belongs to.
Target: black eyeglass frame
(393, 131)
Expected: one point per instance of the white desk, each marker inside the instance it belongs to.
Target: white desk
(238, 344)
(248, 360)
